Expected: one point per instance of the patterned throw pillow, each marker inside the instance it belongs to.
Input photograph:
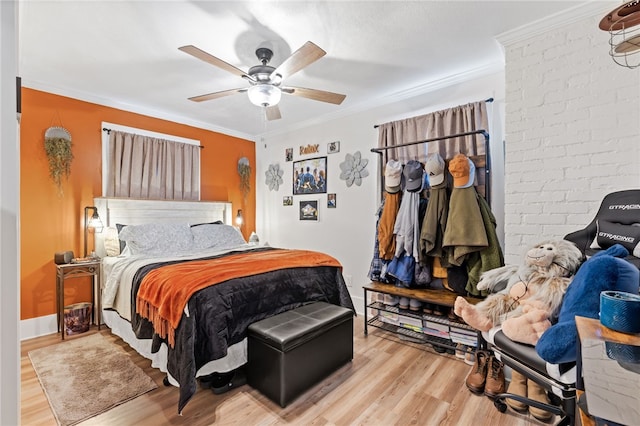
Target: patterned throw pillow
(158, 239)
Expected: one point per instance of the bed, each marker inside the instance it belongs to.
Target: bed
(181, 286)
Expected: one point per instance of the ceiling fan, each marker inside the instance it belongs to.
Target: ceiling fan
(265, 81)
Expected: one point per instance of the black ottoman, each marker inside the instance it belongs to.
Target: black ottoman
(290, 352)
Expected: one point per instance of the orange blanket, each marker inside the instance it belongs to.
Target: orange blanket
(165, 291)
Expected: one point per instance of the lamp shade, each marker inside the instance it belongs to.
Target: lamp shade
(95, 222)
(264, 95)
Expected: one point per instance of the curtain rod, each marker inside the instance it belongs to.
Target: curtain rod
(104, 129)
(458, 135)
(487, 100)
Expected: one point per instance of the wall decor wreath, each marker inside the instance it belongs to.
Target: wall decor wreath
(57, 146)
(274, 177)
(354, 169)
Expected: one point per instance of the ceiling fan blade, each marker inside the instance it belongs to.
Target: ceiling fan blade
(273, 113)
(299, 59)
(316, 95)
(216, 95)
(210, 59)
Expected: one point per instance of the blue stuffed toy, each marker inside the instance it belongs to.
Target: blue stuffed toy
(604, 271)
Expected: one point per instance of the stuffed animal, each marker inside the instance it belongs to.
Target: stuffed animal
(542, 280)
(605, 271)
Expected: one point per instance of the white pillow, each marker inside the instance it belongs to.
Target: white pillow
(216, 236)
(111, 241)
(158, 238)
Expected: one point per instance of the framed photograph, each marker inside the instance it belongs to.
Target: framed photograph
(288, 154)
(287, 200)
(310, 176)
(331, 201)
(333, 147)
(309, 210)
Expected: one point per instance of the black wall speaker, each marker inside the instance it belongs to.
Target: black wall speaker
(63, 257)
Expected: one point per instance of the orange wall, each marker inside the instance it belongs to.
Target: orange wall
(51, 223)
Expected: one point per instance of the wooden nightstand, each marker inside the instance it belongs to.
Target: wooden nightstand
(75, 270)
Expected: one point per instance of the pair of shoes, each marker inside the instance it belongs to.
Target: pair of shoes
(470, 356)
(520, 385)
(495, 378)
(415, 305)
(390, 300)
(477, 377)
(486, 376)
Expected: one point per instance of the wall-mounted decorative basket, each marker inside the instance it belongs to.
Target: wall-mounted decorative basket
(57, 146)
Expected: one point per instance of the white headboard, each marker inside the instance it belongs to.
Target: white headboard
(129, 211)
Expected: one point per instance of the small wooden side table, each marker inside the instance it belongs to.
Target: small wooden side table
(608, 372)
(76, 270)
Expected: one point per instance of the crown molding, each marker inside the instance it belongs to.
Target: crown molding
(577, 13)
(426, 88)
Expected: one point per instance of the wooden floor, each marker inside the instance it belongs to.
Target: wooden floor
(388, 383)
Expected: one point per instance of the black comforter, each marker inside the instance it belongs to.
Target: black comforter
(220, 315)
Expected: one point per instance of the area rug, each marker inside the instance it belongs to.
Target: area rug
(87, 376)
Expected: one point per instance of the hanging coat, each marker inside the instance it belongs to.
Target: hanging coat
(465, 232)
(386, 238)
(406, 227)
(487, 259)
(377, 270)
(434, 223)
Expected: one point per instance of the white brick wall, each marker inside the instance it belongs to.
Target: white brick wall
(572, 132)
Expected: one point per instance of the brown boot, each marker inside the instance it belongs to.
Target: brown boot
(517, 386)
(477, 377)
(495, 378)
(538, 394)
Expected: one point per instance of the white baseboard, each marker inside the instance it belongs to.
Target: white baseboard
(36, 327)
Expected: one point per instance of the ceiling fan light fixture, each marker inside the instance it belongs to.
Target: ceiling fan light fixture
(264, 95)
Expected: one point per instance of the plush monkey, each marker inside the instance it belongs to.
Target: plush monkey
(542, 280)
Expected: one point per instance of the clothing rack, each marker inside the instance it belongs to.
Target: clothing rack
(104, 129)
(487, 169)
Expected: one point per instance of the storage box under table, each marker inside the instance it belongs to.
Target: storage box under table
(77, 318)
(290, 352)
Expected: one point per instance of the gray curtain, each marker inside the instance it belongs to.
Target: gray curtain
(460, 119)
(150, 168)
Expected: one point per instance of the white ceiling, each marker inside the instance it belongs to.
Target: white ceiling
(125, 53)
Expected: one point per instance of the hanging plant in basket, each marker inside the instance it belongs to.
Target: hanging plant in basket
(244, 170)
(57, 146)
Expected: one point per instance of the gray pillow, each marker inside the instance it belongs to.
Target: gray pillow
(220, 236)
(158, 238)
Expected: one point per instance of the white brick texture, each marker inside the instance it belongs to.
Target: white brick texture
(572, 131)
